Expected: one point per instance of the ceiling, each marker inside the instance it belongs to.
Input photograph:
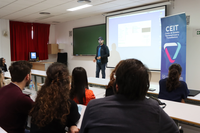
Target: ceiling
(29, 10)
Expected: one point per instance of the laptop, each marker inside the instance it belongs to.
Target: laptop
(193, 92)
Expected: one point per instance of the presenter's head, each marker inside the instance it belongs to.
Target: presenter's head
(100, 40)
(132, 79)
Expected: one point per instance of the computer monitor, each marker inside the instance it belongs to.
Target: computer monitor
(32, 56)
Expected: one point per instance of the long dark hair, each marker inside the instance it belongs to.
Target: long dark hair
(173, 77)
(1, 62)
(79, 83)
(52, 100)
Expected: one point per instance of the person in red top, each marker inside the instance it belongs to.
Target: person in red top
(80, 92)
(14, 105)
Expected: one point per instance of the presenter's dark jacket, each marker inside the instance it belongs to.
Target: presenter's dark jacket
(14, 108)
(104, 54)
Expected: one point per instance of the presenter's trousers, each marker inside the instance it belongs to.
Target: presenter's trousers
(101, 67)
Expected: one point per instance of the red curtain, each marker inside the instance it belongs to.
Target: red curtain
(20, 39)
(41, 39)
(22, 43)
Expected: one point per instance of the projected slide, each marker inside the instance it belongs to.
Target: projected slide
(135, 35)
(140, 32)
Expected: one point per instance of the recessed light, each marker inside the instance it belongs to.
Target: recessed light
(88, 1)
(46, 13)
(79, 7)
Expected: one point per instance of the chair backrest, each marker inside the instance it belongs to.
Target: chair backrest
(62, 58)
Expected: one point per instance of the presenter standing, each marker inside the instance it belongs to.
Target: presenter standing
(101, 58)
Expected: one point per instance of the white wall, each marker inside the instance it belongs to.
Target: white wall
(62, 36)
(190, 7)
(5, 41)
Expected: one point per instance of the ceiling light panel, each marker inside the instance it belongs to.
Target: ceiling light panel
(79, 7)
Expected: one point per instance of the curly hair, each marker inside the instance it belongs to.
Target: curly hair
(173, 77)
(112, 78)
(52, 100)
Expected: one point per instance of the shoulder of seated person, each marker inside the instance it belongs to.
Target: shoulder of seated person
(87, 91)
(152, 102)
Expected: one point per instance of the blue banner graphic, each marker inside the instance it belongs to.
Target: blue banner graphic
(173, 44)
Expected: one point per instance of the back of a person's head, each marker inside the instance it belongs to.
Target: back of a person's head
(52, 101)
(173, 76)
(79, 83)
(57, 72)
(19, 70)
(132, 78)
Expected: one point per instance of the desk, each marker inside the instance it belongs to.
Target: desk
(190, 99)
(7, 75)
(98, 81)
(41, 65)
(98, 92)
(183, 112)
(35, 73)
(2, 131)
(104, 82)
(38, 73)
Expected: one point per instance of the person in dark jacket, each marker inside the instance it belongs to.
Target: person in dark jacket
(101, 57)
(3, 65)
(128, 110)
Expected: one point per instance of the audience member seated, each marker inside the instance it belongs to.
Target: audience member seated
(171, 88)
(80, 92)
(128, 111)
(1, 79)
(53, 110)
(14, 105)
(109, 88)
(3, 66)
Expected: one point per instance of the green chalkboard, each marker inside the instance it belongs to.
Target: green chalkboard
(85, 39)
